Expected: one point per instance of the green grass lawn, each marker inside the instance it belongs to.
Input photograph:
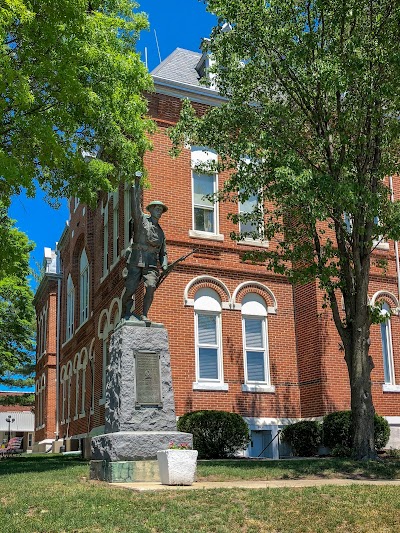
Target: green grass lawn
(53, 494)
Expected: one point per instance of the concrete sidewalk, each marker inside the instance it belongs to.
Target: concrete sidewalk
(271, 484)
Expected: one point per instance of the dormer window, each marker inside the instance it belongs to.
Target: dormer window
(202, 68)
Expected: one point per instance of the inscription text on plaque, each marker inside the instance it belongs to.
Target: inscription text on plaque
(148, 379)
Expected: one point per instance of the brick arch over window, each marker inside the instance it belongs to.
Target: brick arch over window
(115, 312)
(202, 282)
(76, 255)
(254, 287)
(387, 297)
(103, 324)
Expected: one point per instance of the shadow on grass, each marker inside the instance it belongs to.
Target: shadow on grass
(307, 468)
(38, 463)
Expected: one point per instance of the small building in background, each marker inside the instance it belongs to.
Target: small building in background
(17, 421)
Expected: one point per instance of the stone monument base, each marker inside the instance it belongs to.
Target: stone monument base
(125, 471)
(129, 456)
(135, 445)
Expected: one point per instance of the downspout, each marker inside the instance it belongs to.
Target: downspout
(396, 244)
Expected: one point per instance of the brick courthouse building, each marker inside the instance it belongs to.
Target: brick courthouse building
(241, 338)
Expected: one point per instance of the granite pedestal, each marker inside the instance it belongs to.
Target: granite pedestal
(140, 409)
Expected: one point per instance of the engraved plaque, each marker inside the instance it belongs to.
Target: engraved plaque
(148, 379)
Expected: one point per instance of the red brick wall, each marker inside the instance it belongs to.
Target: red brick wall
(306, 363)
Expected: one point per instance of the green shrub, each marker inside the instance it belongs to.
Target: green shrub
(338, 430)
(216, 434)
(304, 437)
(381, 432)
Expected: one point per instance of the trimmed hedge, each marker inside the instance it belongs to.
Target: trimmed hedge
(338, 429)
(304, 437)
(216, 434)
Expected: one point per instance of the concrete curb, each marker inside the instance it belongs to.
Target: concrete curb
(271, 484)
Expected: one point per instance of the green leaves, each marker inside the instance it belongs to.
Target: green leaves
(17, 324)
(71, 82)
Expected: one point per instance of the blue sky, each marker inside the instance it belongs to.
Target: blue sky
(178, 24)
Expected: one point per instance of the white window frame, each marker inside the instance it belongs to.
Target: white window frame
(387, 355)
(69, 330)
(105, 349)
(115, 196)
(105, 241)
(84, 280)
(202, 155)
(255, 308)
(127, 214)
(77, 384)
(259, 241)
(204, 296)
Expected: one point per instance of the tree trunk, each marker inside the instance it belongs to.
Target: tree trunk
(359, 365)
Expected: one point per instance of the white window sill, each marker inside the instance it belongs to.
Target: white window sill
(382, 245)
(67, 341)
(92, 410)
(82, 415)
(103, 277)
(254, 242)
(205, 235)
(209, 385)
(75, 417)
(102, 401)
(386, 387)
(254, 387)
(81, 325)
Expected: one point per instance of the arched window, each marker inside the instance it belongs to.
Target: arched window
(70, 308)
(387, 347)
(84, 288)
(255, 340)
(209, 368)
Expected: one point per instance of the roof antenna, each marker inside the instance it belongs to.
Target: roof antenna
(158, 48)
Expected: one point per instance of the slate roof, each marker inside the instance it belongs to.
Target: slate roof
(180, 66)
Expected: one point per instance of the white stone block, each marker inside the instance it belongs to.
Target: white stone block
(177, 467)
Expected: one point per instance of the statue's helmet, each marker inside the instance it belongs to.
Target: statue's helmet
(157, 202)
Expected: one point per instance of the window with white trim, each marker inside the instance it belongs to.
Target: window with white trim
(105, 240)
(106, 362)
(248, 206)
(70, 308)
(128, 223)
(208, 341)
(387, 347)
(77, 366)
(255, 340)
(115, 226)
(205, 217)
(83, 387)
(84, 288)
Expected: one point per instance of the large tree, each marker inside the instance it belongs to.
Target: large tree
(311, 121)
(71, 87)
(17, 323)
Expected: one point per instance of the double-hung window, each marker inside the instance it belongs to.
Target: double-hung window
(209, 370)
(387, 347)
(255, 344)
(204, 184)
(248, 206)
(70, 308)
(84, 288)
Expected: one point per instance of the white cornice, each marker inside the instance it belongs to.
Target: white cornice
(202, 95)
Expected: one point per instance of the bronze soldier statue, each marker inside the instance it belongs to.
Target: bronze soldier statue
(146, 252)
